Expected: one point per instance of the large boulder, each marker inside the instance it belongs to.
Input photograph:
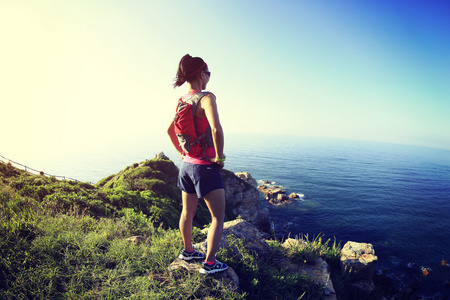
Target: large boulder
(161, 155)
(317, 269)
(243, 199)
(245, 231)
(247, 178)
(271, 191)
(358, 262)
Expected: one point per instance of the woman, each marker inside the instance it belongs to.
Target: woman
(200, 175)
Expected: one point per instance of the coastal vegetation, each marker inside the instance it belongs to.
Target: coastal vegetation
(68, 239)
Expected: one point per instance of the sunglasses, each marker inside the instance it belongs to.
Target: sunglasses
(208, 73)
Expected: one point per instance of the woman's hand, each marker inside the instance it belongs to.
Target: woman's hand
(220, 162)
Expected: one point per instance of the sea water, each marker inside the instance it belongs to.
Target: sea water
(395, 197)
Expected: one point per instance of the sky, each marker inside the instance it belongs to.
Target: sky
(86, 75)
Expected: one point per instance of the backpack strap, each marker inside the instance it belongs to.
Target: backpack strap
(207, 135)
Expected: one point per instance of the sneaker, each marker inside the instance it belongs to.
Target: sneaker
(216, 267)
(193, 255)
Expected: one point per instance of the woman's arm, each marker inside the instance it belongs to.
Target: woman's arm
(174, 139)
(208, 104)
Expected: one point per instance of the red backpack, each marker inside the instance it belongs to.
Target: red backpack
(186, 130)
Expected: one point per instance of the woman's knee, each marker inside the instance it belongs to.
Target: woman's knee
(188, 214)
(189, 205)
(219, 218)
(217, 214)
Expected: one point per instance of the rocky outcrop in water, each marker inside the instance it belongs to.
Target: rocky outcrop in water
(277, 195)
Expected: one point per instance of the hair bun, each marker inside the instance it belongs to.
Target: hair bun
(187, 57)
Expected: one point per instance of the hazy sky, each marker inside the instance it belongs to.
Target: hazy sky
(85, 75)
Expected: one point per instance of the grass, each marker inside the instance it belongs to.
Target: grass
(65, 251)
(306, 250)
(65, 256)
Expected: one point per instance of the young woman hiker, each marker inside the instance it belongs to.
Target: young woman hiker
(199, 175)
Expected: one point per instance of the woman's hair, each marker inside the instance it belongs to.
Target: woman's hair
(188, 69)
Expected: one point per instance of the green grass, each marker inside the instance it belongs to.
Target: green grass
(307, 250)
(64, 256)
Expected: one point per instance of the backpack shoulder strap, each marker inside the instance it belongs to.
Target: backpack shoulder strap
(195, 99)
(198, 96)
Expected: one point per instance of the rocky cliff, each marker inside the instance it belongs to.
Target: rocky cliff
(243, 199)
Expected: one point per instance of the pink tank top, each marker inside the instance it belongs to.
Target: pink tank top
(210, 152)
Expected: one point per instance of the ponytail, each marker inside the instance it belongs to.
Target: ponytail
(188, 69)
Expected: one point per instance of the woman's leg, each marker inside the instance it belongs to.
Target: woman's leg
(187, 215)
(215, 200)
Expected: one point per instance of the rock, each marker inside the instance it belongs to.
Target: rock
(227, 278)
(190, 266)
(294, 196)
(282, 197)
(426, 271)
(137, 239)
(317, 269)
(243, 199)
(247, 178)
(358, 261)
(271, 191)
(245, 231)
(161, 155)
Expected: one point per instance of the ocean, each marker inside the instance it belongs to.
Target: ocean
(395, 197)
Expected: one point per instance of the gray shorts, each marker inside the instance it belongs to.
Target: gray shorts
(199, 179)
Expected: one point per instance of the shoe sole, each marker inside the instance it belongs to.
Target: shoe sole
(203, 271)
(189, 258)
